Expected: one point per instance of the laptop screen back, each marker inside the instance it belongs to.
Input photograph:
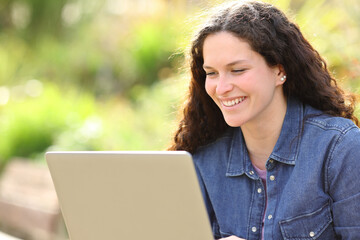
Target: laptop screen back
(129, 195)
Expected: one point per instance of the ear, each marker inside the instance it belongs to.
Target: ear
(280, 75)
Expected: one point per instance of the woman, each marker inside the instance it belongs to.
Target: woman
(275, 141)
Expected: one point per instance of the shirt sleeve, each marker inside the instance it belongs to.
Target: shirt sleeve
(343, 184)
(209, 208)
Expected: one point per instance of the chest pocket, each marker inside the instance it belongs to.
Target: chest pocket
(308, 226)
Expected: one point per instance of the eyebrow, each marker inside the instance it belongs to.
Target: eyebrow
(228, 65)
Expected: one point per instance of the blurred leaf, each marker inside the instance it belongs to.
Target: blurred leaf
(31, 124)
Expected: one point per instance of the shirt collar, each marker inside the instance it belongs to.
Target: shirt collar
(285, 150)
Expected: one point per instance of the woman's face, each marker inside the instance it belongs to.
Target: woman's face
(239, 81)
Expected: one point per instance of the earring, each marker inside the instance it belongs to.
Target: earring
(283, 78)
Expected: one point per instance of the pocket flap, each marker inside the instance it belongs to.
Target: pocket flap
(308, 226)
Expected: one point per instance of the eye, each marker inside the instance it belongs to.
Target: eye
(210, 73)
(238, 70)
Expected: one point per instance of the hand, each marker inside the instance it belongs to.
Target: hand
(232, 238)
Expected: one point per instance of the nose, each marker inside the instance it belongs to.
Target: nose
(224, 85)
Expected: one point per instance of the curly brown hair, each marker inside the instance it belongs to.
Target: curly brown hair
(270, 33)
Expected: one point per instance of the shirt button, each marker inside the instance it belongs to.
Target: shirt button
(272, 178)
(259, 190)
(271, 161)
(312, 234)
(251, 172)
(270, 217)
(253, 229)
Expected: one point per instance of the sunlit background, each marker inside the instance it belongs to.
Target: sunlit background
(110, 75)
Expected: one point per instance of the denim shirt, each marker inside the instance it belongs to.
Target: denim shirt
(313, 181)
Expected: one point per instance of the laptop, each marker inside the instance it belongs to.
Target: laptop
(129, 195)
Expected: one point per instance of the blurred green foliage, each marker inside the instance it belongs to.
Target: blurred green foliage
(32, 123)
(103, 75)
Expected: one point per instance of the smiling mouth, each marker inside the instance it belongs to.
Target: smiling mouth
(233, 102)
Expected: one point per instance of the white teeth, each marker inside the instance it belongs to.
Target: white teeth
(233, 102)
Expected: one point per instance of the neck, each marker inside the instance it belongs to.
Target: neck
(261, 136)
